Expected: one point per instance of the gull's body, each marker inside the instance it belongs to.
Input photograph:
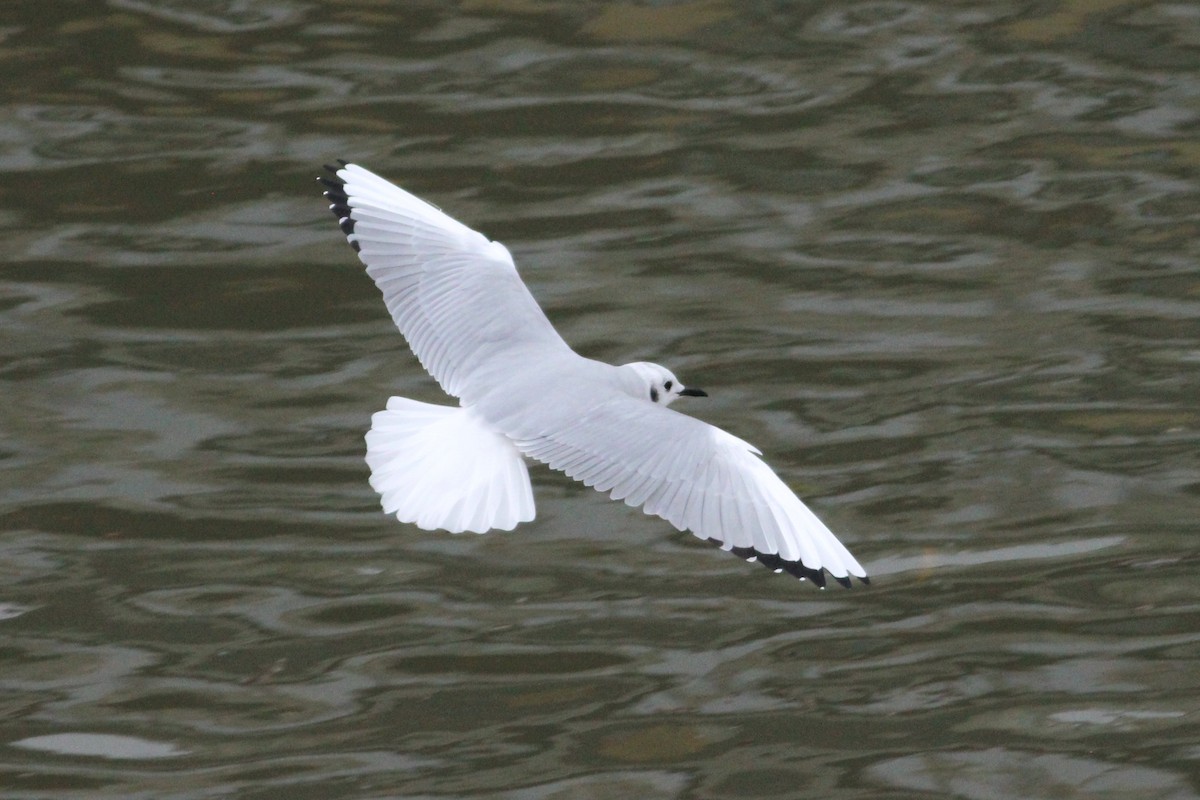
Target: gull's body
(522, 392)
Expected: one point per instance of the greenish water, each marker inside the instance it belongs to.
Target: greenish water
(937, 260)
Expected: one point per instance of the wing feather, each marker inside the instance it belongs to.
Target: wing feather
(455, 296)
(693, 475)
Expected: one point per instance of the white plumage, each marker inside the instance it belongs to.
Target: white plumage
(445, 467)
(458, 300)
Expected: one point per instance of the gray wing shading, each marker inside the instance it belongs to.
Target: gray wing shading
(455, 295)
(692, 474)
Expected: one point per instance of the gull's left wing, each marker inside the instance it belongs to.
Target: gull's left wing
(455, 295)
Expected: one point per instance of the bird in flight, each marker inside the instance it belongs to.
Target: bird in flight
(523, 392)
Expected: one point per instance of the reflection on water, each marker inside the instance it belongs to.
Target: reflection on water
(100, 745)
(1001, 772)
(938, 262)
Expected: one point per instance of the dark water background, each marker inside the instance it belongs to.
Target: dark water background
(937, 259)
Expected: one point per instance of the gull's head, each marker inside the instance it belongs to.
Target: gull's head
(654, 384)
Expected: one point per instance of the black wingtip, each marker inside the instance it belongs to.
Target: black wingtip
(797, 569)
(771, 561)
(339, 202)
(343, 162)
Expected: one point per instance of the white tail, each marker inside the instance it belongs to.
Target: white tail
(444, 467)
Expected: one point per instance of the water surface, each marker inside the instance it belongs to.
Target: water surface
(937, 260)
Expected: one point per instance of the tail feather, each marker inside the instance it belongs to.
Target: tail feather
(444, 467)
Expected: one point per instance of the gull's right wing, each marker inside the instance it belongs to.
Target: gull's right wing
(692, 474)
(455, 295)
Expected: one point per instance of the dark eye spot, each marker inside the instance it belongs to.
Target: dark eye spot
(667, 385)
(653, 395)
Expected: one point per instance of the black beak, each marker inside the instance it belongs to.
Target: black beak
(693, 393)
